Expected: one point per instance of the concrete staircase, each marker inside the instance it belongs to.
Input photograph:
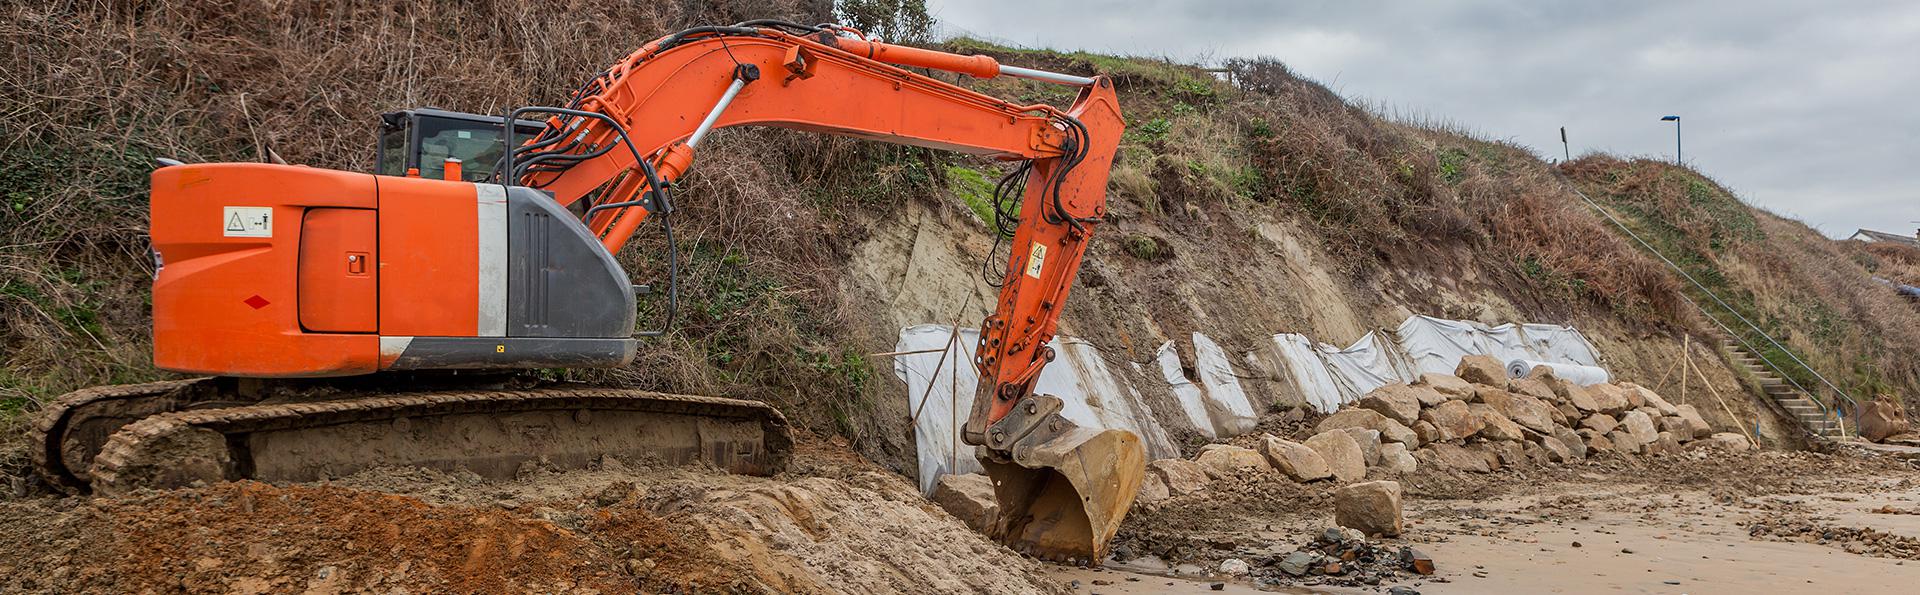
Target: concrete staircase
(1796, 403)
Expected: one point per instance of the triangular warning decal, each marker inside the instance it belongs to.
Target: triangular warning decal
(234, 224)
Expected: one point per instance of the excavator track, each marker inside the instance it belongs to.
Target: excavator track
(71, 429)
(491, 433)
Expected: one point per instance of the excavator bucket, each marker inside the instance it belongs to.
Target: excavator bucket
(1063, 489)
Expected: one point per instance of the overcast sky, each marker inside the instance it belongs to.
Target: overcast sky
(1809, 109)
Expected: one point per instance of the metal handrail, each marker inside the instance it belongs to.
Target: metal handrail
(1723, 304)
(1824, 409)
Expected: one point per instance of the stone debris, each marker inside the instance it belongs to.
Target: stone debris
(1235, 567)
(1340, 559)
(1457, 426)
(1372, 508)
(969, 498)
(1181, 476)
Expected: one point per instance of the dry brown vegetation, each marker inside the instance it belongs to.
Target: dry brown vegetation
(1815, 295)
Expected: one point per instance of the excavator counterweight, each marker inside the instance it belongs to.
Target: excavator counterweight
(353, 320)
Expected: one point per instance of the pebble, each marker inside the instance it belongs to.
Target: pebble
(1626, 550)
(1576, 544)
(1218, 586)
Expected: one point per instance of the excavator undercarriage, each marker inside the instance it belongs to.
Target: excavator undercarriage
(350, 321)
(111, 440)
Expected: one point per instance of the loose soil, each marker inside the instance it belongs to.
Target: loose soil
(1698, 522)
(835, 523)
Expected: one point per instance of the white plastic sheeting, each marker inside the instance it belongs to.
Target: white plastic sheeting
(1192, 400)
(1217, 405)
(1300, 362)
(1575, 373)
(1366, 365)
(1435, 345)
(1214, 401)
(1327, 376)
(1094, 397)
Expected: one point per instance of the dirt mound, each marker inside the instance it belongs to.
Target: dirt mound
(257, 538)
(842, 526)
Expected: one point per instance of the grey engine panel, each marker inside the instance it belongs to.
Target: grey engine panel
(560, 281)
(440, 353)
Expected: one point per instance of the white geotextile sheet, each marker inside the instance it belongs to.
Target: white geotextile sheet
(1192, 400)
(1094, 397)
(1214, 402)
(1302, 364)
(1232, 411)
(1366, 365)
(1436, 345)
(1562, 344)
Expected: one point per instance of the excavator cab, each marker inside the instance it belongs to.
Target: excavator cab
(424, 138)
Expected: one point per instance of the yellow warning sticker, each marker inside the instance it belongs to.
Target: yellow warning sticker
(1035, 258)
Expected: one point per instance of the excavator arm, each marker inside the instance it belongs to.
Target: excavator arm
(615, 150)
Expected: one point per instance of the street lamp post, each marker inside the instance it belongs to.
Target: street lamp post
(1676, 137)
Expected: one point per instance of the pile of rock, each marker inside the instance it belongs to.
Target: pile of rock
(1481, 420)
(1342, 557)
(1475, 420)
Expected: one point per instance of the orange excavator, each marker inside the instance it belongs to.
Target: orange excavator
(345, 321)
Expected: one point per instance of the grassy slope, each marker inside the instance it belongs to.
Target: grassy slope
(1206, 170)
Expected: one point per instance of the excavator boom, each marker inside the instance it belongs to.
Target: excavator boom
(507, 263)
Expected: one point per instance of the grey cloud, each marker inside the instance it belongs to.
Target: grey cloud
(1806, 109)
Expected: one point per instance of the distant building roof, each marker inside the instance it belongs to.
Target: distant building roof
(1868, 235)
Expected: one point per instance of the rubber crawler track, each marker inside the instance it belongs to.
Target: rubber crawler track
(49, 428)
(115, 469)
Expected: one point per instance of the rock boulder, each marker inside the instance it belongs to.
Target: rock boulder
(1372, 507)
(1482, 369)
(1441, 455)
(1692, 415)
(1396, 459)
(1641, 426)
(1397, 402)
(1181, 476)
(1493, 425)
(968, 498)
(1342, 454)
(1447, 387)
(1881, 418)
(1294, 459)
(1452, 420)
(1369, 441)
(1224, 460)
